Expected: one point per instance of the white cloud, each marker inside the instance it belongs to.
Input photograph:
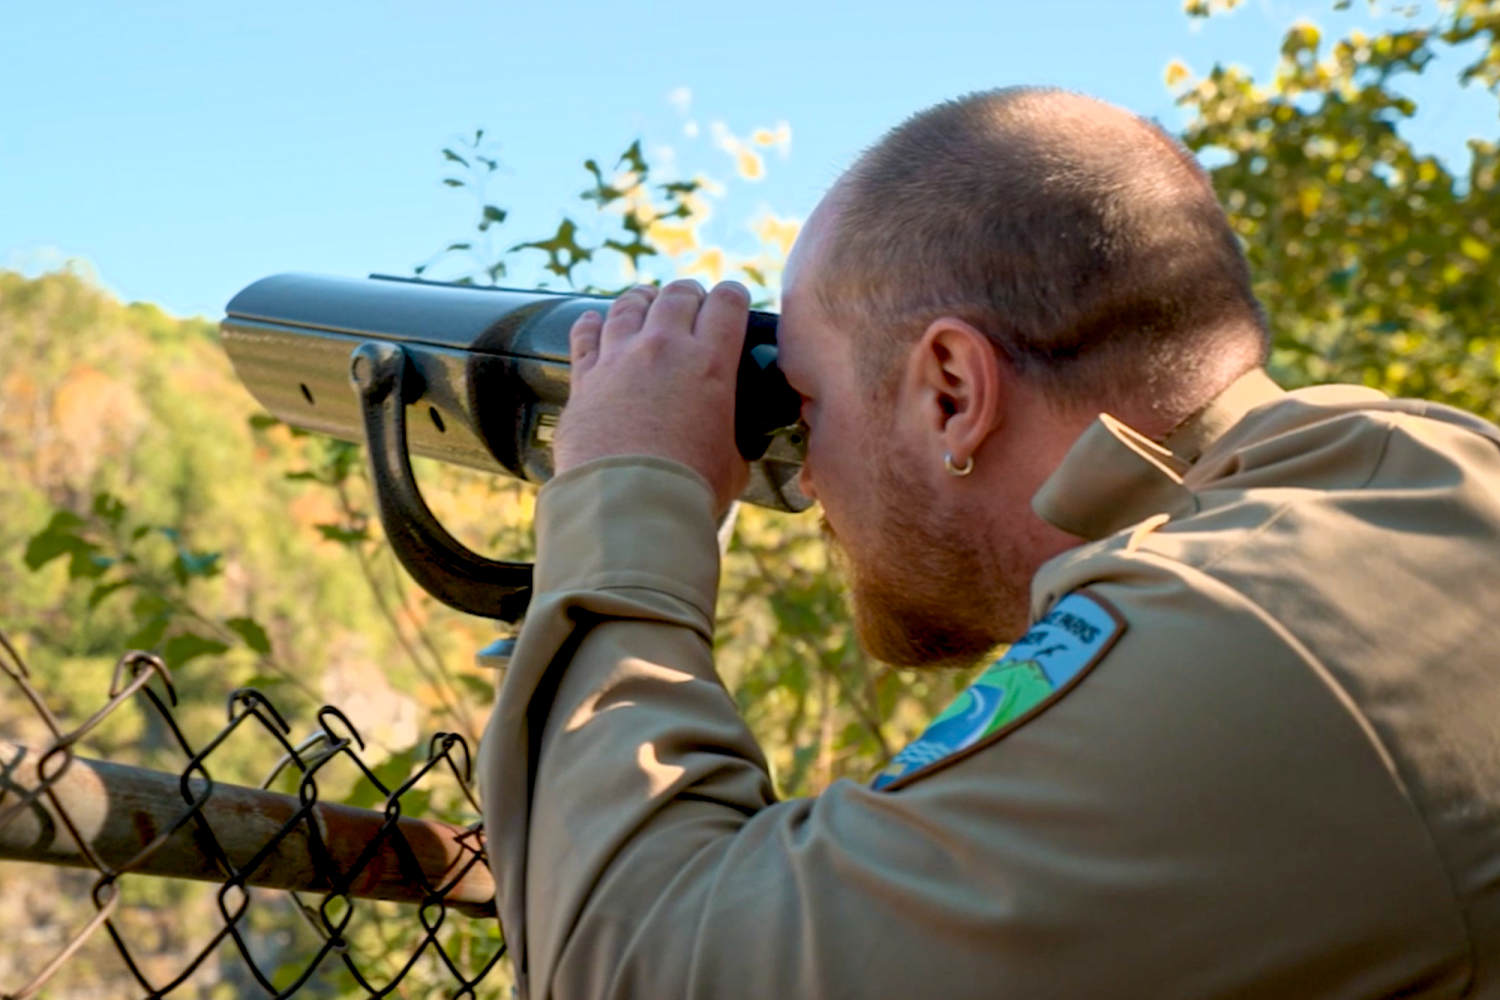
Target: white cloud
(682, 99)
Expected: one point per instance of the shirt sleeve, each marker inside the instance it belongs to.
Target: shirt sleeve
(1140, 837)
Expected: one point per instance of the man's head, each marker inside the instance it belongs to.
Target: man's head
(983, 282)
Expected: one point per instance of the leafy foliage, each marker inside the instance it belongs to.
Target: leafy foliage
(1374, 259)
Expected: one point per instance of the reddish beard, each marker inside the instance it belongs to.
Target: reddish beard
(925, 592)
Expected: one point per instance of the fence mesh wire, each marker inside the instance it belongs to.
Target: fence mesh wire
(302, 896)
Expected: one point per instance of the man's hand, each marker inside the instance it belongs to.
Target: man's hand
(656, 376)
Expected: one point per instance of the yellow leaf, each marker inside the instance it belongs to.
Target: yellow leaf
(672, 239)
(779, 233)
(709, 263)
(1474, 249)
(750, 164)
(1177, 72)
(780, 136)
(1308, 199)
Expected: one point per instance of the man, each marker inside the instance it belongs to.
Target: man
(1247, 739)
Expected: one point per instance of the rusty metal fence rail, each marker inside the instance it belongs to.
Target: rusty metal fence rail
(327, 865)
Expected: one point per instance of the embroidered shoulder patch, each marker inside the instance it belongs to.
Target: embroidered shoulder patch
(1036, 671)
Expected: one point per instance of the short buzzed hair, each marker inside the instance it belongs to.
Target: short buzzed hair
(1085, 242)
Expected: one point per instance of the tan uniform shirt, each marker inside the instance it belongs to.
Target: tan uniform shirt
(1276, 773)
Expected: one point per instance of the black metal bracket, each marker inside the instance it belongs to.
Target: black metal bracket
(385, 383)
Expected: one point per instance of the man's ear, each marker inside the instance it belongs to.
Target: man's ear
(955, 373)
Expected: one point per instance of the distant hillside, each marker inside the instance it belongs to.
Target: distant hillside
(101, 397)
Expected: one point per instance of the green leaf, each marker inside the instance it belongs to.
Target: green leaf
(601, 193)
(103, 590)
(251, 631)
(344, 536)
(262, 421)
(64, 521)
(148, 634)
(478, 687)
(343, 457)
(180, 649)
(190, 564)
(562, 250)
(634, 250)
(391, 772)
(453, 182)
(60, 537)
(264, 681)
(632, 158)
(45, 547)
(417, 802)
(449, 154)
(364, 796)
(87, 564)
(109, 508)
(301, 475)
(149, 605)
(460, 246)
(494, 214)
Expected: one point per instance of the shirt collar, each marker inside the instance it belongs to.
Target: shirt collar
(1114, 476)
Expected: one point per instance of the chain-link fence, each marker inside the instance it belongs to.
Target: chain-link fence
(297, 895)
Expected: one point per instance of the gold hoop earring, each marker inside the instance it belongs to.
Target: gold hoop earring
(957, 470)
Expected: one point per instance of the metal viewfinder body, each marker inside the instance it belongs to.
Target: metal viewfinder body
(480, 376)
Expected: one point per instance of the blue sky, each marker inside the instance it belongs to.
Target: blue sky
(184, 149)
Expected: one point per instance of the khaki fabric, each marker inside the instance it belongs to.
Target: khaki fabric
(1283, 779)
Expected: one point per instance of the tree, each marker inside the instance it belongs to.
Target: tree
(1374, 260)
